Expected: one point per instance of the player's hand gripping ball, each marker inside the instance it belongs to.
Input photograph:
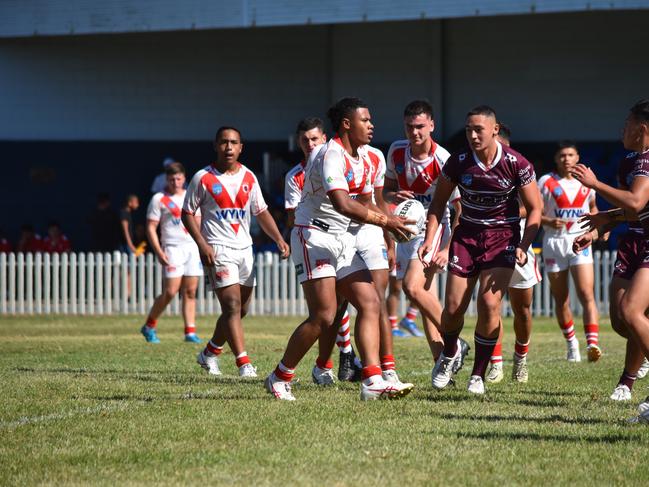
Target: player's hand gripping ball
(411, 210)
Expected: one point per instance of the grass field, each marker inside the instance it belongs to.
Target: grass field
(87, 401)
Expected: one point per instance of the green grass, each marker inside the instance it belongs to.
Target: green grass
(86, 401)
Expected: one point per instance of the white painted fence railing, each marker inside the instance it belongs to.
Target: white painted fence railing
(115, 283)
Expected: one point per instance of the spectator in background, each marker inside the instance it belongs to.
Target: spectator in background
(131, 203)
(29, 240)
(56, 242)
(5, 245)
(104, 226)
(160, 181)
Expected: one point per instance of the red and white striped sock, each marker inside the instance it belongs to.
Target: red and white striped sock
(412, 313)
(497, 354)
(324, 364)
(520, 350)
(151, 323)
(242, 359)
(189, 329)
(387, 362)
(394, 322)
(344, 338)
(592, 334)
(568, 330)
(212, 349)
(370, 372)
(282, 372)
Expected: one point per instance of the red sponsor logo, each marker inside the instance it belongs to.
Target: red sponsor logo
(171, 268)
(222, 274)
(322, 262)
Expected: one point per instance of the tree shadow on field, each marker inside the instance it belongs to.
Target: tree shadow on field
(602, 439)
(553, 418)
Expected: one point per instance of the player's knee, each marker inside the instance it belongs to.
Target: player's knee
(230, 305)
(629, 311)
(412, 291)
(189, 294)
(523, 311)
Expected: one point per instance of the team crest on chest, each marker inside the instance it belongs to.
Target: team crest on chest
(467, 179)
(349, 176)
(245, 188)
(557, 191)
(217, 189)
(584, 190)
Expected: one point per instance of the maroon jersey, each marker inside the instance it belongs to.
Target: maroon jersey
(633, 166)
(489, 197)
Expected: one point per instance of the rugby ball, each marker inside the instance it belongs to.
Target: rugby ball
(412, 210)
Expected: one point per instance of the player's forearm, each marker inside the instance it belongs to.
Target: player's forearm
(531, 228)
(154, 241)
(627, 200)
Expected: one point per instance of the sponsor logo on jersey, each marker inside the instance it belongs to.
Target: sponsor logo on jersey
(330, 180)
(217, 189)
(510, 157)
(568, 212)
(423, 198)
(557, 191)
(245, 188)
(349, 176)
(467, 179)
(462, 157)
(504, 182)
(230, 214)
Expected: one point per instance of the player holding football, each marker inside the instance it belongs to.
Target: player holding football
(486, 244)
(176, 251)
(631, 278)
(227, 193)
(310, 134)
(413, 167)
(565, 200)
(337, 189)
(520, 293)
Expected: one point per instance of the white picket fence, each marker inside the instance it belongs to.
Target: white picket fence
(115, 283)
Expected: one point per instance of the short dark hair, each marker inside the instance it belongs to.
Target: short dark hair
(504, 132)
(174, 168)
(129, 197)
(309, 123)
(54, 223)
(418, 107)
(640, 110)
(484, 110)
(343, 108)
(566, 144)
(222, 129)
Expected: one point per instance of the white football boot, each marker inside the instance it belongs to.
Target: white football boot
(279, 388)
(573, 354)
(621, 393)
(443, 370)
(209, 363)
(495, 373)
(392, 377)
(519, 372)
(247, 371)
(377, 388)
(476, 385)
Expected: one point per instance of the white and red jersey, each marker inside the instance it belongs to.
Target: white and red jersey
(226, 202)
(418, 176)
(293, 184)
(330, 168)
(167, 209)
(377, 166)
(564, 198)
(59, 246)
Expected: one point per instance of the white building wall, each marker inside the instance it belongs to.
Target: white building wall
(548, 76)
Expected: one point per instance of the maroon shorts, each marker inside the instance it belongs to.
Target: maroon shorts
(475, 249)
(632, 254)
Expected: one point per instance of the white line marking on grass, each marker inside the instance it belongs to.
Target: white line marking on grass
(104, 408)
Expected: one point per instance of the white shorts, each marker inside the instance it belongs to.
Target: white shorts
(407, 251)
(233, 266)
(527, 276)
(370, 245)
(317, 254)
(558, 255)
(184, 260)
